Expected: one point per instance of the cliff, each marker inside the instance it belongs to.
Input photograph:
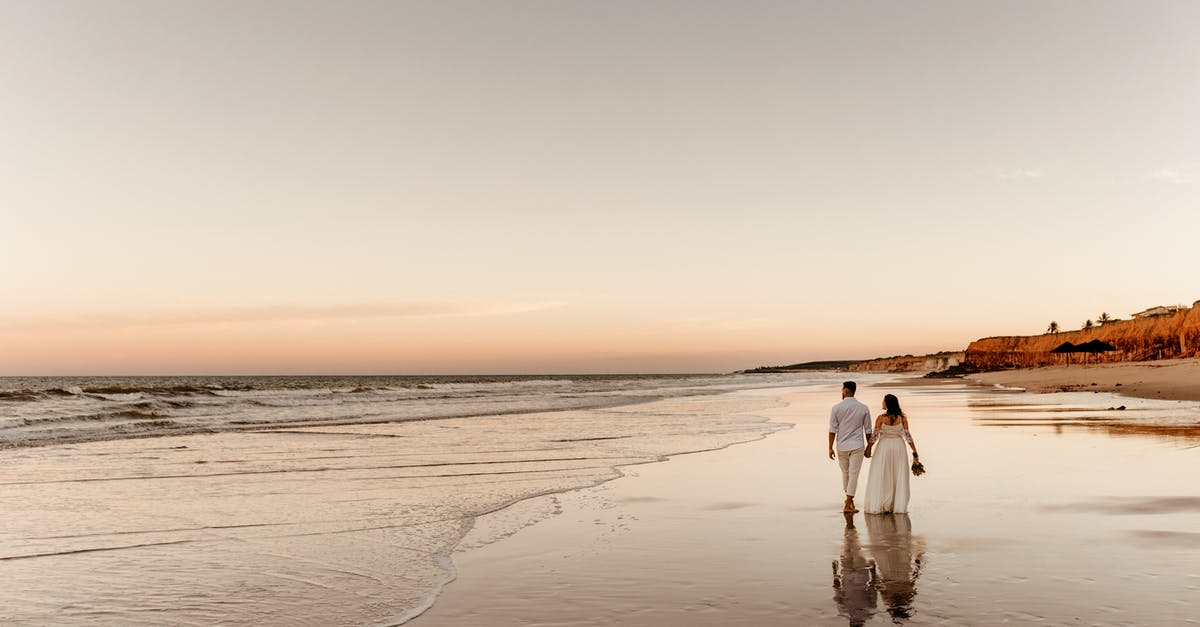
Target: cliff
(909, 363)
(1141, 339)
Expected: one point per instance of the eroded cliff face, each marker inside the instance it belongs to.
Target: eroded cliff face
(1162, 337)
(909, 363)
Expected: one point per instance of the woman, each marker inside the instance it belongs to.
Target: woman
(887, 485)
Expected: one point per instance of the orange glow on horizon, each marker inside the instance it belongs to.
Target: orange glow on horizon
(411, 347)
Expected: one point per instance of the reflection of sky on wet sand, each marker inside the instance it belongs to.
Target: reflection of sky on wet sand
(1018, 521)
(1103, 412)
(1044, 505)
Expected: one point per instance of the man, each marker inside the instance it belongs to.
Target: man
(848, 421)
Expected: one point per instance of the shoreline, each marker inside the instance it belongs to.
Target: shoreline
(347, 524)
(1175, 379)
(509, 519)
(482, 559)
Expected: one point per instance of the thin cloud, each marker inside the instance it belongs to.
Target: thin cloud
(282, 313)
(1179, 173)
(705, 324)
(1018, 174)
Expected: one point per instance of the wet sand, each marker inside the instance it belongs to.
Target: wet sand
(1177, 379)
(1037, 509)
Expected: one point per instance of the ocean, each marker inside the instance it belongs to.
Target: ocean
(312, 500)
(38, 411)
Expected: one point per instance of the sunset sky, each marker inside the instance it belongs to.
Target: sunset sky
(561, 186)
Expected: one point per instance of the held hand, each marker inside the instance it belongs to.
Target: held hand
(867, 453)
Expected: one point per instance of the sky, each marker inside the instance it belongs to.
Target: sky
(571, 187)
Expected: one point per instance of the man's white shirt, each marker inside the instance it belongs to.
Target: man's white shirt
(849, 419)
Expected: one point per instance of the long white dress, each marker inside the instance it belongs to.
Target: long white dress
(887, 483)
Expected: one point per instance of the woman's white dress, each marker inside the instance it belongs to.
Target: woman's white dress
(887, 483)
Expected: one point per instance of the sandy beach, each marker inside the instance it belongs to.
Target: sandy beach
(1177, 379)
(1032, 513)
(1035, 507)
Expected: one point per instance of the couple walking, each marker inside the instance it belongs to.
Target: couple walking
(887, 484)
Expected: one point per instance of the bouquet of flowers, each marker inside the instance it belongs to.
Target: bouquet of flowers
(918, 468)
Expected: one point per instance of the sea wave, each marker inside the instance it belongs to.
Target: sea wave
(55, 410)
(124, 414)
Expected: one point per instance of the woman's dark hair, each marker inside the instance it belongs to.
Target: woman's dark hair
(893, 405)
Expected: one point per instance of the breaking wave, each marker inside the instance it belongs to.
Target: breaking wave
(39, 411)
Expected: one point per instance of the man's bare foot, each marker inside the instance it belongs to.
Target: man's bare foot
(848, 507)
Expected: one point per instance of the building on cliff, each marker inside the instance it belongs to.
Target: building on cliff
(1171, 335)
(1160, 311)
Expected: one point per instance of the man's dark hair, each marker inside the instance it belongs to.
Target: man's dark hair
(850, 385)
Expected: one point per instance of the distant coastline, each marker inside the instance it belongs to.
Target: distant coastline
(808, 366)
(932, 362)
(1155, 354)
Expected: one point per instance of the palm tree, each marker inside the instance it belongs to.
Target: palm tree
(1089, 324)
(1053, 328)
(1104, 318)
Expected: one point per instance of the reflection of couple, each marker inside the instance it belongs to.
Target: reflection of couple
(887, 484)
(890, 573)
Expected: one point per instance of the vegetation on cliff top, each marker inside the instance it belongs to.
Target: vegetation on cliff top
(804, 367)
